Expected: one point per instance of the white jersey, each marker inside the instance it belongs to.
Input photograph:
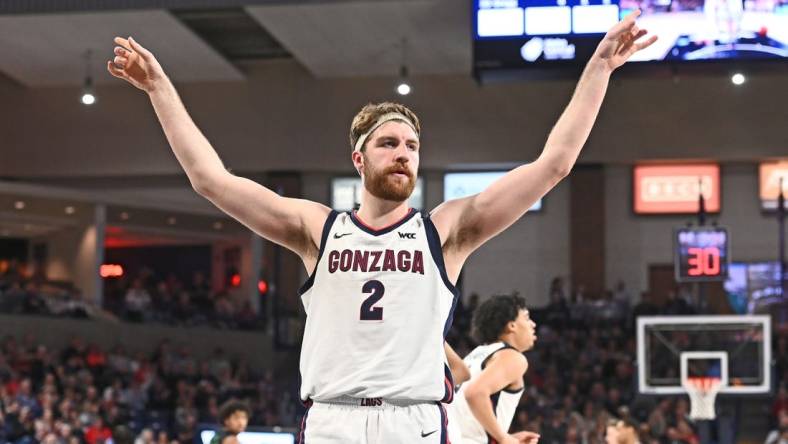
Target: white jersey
(378, 306)
(504, 402)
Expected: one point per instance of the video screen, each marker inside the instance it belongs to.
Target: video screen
(457, 185)
(523, 33)
(763, 280)
(753, 286)
(713, 29)
(253, 437)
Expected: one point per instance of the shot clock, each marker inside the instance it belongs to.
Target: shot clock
(701, 254)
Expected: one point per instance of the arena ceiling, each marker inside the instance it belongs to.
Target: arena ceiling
(45, 43)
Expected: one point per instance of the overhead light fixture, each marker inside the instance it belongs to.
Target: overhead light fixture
(403, 88)
(88, 94)
(88, 98)
(19, 205)
(217, 225)
(70, 210)
(124, 216)
(171, 220)
(738, 79)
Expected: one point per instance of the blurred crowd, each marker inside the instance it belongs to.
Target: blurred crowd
(83, 394)
(581, 371)
(148, 297)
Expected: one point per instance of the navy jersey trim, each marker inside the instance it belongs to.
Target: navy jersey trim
(494, 399)
(505, 346)
(484, 364)
(448, 385)
(444, 425)
(367, 229)
(434, 241)
(332, 216)
(302, 434)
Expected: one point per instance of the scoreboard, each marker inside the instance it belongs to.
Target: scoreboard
(701, 254)
(549, 38)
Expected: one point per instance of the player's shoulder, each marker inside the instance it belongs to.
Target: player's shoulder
(314, 215)
(509, 357)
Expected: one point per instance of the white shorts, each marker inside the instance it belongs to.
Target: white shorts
(455, 435)
(374, 421)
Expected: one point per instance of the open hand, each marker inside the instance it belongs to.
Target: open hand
(135, 64)
(621, 41)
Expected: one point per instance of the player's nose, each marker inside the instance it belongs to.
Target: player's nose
(401, 158)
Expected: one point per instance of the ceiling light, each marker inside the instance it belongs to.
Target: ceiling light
(403, 88)
(88, 94)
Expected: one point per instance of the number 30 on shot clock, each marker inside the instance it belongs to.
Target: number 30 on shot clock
(701, 254)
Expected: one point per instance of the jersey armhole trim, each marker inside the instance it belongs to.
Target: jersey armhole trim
(514, 392)
(484, 364)
(434, 242)
(323, 239)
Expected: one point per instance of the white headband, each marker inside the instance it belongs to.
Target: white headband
(383, 119)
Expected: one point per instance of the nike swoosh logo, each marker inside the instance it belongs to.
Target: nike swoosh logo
(424, 435)
(337, 235)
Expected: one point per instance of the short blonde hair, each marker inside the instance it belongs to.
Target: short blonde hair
(370, 114)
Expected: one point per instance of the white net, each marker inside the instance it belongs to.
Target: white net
(702, 393)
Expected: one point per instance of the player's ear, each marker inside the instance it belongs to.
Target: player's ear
(358, 161)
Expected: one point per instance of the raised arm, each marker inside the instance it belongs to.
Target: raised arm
(468, 222)
(293, 223)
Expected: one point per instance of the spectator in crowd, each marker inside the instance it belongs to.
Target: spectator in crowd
(622, 431)
(233, 417)
(137, 300)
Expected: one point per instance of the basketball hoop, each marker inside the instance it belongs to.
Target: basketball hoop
(702, 393)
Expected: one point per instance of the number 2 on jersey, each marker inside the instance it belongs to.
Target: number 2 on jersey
(368, 312)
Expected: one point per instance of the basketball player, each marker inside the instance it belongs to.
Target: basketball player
(484, 407)
(380, 293)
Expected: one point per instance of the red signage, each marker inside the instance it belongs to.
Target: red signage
(770, 175)
(675, 189)
(111, 271)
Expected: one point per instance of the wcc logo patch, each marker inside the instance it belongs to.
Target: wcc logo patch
(406, 235)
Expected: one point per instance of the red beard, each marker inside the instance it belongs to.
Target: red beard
(384, 185)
